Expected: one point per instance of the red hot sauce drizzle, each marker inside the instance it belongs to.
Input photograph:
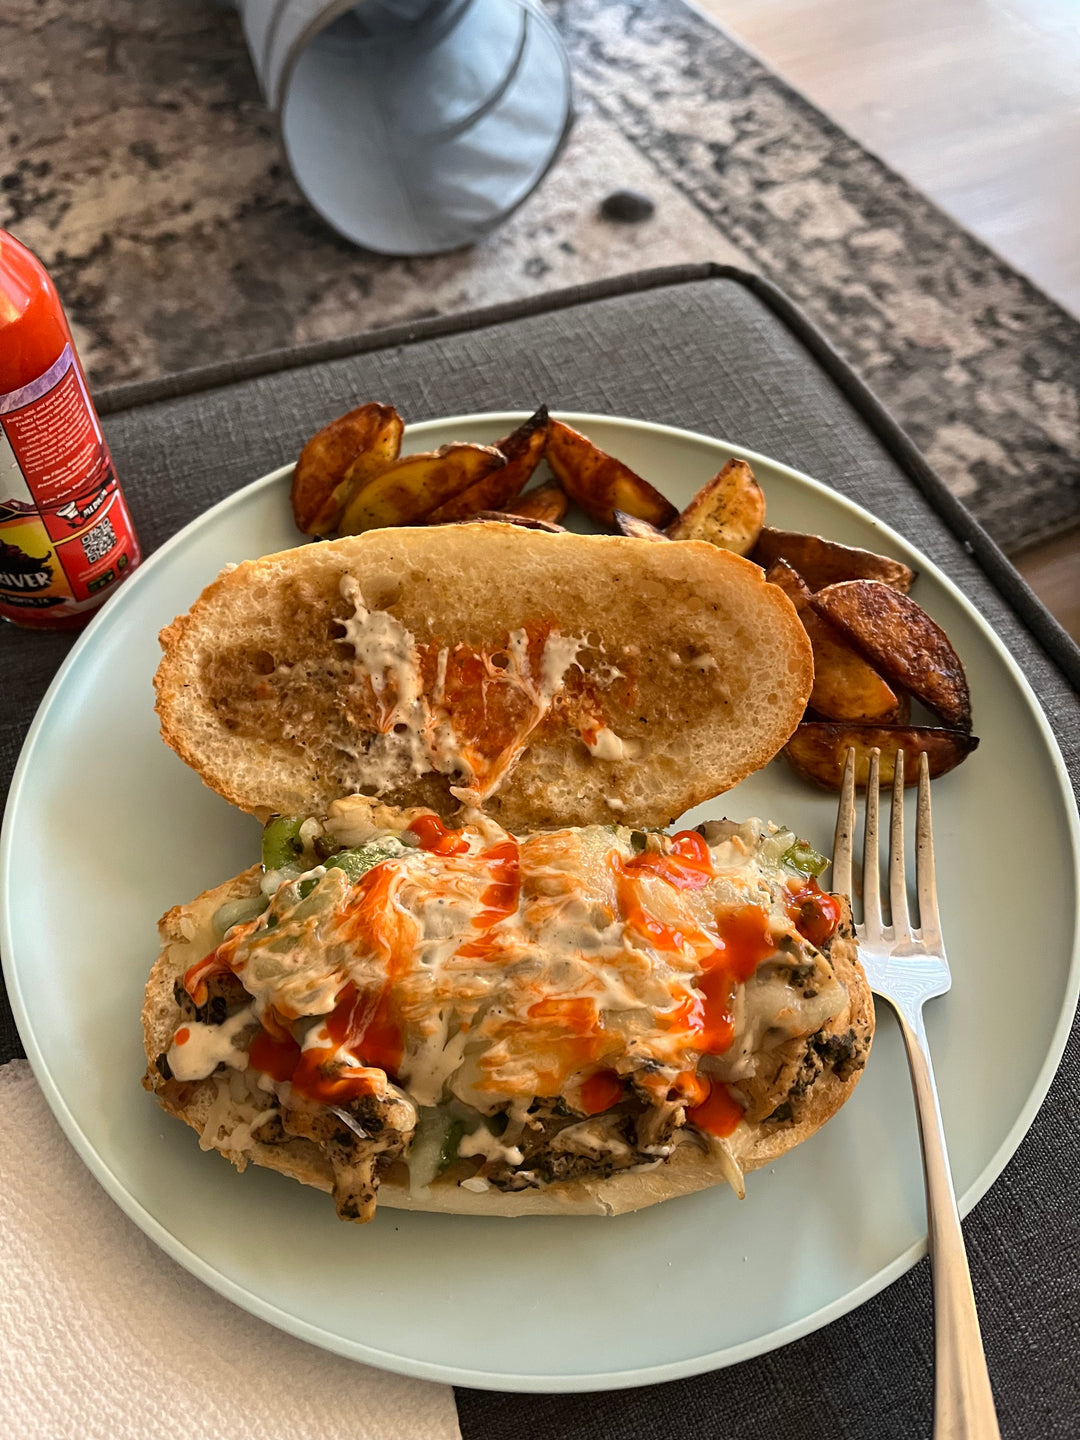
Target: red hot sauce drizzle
(601, 1091)
(493, 698)
(364, 1029)
(745, 940)
(361, 1027)
(720, 1113)
(276, 1058)
(499, 900)
(434, 836)
(687, 867)
(814, 913)
(196, 976)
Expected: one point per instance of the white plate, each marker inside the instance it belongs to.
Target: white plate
(106, 829)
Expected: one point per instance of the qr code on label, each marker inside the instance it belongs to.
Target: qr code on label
(97, 543)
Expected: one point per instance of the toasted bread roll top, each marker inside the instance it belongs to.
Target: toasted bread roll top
(549, 679)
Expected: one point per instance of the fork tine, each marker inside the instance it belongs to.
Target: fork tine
(898, 906)
(844, 839)
(929, 920)
(871, 879)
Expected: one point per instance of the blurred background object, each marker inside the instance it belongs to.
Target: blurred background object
(977, 102)
(413, 126)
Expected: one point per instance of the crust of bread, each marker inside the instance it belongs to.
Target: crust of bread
(187, 935)
(254, 687)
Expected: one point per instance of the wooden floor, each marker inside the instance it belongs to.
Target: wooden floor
(977, 103)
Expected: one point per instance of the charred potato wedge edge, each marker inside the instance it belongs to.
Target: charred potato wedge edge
(548, 501)
(599, 483)
(818, 749)
(901, 641)
(823, 562)
(846, 687)
(637, 529)
(523, 449)
(508, 517)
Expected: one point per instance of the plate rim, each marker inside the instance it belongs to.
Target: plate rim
(255, 1304)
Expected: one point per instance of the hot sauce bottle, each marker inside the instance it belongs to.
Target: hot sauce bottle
(66, 538)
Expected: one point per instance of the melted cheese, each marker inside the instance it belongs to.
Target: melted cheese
(517, 968)
(231, 1120)
(419, 730)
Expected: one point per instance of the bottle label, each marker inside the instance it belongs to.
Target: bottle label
(65, 533)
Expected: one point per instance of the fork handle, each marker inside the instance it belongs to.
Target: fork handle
(963, 1400)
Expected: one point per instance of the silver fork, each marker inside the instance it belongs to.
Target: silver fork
(907, 966)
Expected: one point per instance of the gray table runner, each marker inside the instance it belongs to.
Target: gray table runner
(723, 354)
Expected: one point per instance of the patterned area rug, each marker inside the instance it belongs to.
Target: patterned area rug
(144, 170)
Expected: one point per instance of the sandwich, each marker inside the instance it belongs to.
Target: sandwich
(474, 971)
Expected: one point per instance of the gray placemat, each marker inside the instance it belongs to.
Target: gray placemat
(710, 354)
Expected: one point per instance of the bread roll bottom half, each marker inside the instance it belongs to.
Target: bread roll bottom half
(576, 1021)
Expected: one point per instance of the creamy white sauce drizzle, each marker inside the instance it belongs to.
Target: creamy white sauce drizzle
(606, 745)
(592, 1138)
(483, 1142)
(205, 1047)
(607, 674)
(559, 654)
(416, 734)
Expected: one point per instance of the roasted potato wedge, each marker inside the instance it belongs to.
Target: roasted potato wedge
(548, 502)
(336, 462)
(818, 750)
(845, 686)
(523, 450)
(599, 483)
(406, 492)
(728, 512)
(902, 716)
(900, 640)
(524, 447)
(637, 529)
(823, 562)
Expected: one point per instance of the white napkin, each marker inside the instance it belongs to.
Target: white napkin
(103, 1337)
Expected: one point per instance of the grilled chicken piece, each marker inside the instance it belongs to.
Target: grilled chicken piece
(358, 1139)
